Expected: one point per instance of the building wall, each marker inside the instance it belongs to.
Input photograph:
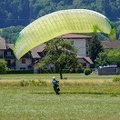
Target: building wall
(20, 65)
(84, 64)
(1, 54)
(80, 45)
(109, 71)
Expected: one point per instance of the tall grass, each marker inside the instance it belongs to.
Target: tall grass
(67, 86)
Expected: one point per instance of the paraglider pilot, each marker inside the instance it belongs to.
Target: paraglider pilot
(56, 86)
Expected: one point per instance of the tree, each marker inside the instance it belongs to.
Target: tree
(95, 47)
(113, 57)
(101, 60)
(3, 67)
(10, 33)
(0, 32)
(108, 57)
(117, 26)
(61, 53)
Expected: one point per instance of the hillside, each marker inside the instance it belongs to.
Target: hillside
(22, 12)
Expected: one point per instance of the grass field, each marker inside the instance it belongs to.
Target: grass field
(31, 97)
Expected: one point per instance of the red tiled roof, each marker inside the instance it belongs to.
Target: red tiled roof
(108, 44)
(2, 43)
(74, 36)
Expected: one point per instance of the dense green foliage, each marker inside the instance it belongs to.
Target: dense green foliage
(20, 72)
(10, 33)
(95, 47)
(19, 12)
(0, 32)
(3, 66)
(14, 12)
(87, 71)
(116, 79)
(117, 26)
(22, 12)
(108, 57)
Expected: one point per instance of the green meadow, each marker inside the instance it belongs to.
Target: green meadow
(31, 97)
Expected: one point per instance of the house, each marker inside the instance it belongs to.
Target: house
(111, 45)
(81, 43)
(110, 69)
(85, 61)
(2, 47)
(6, 53)
(13, 63)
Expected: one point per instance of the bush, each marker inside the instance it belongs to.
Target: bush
(33, 83)
(24, 83)
(19, 71)
(87, 71)
(3, 67)
(116, 79)
(78, 70)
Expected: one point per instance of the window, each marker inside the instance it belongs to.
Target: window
(0, 53)
(84, 65)
(8, 62)
(23, 61)
(72, 42)
(87, 52)
(22, 68)
(87, 44)
(9, 53)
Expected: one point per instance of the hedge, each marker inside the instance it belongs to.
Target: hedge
(20, 71)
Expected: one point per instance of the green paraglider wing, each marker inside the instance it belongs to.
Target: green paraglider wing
(58, 23)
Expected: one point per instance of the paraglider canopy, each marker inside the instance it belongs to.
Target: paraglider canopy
(61, 22)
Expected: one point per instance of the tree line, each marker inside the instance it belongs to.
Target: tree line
(22, 12)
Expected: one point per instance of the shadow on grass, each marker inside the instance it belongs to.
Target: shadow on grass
(67, 92)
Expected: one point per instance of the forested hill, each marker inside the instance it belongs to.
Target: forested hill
(22, 12)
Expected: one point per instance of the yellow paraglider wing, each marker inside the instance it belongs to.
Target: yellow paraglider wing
(58, 23)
